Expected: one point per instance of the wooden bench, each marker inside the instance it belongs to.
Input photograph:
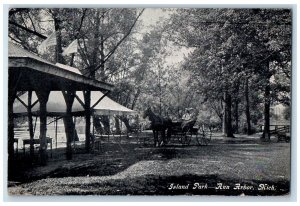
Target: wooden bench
(36, 142)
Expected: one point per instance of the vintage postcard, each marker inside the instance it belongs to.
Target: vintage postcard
(149, 101)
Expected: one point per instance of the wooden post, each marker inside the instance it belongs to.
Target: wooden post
(13, 81)
(11, 99)
(93, 136)
(74, 132)
(69, 99)
(30, 125)
(56, 119)
(87, 101)
(43, 96)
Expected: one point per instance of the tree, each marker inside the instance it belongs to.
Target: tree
(100, 33)
(273, 40)
(230, 46)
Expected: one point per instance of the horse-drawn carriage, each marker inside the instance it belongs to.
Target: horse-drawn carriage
(177, 131)
(185, 134)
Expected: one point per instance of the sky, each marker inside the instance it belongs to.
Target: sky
(150, 18)
(152, 15)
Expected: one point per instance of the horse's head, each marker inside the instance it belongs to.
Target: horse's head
(147, 112)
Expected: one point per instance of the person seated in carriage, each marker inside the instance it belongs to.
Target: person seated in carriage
(188, 119)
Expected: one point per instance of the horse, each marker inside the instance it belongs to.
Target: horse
(159, 124)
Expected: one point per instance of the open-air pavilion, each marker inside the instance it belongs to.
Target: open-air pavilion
(56, 108)
(29, 72)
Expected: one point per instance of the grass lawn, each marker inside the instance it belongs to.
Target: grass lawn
(130, 169)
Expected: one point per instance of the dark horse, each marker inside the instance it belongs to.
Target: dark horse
(159, 124)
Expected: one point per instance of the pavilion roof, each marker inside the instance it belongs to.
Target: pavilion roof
(56, 105)
(28, 71)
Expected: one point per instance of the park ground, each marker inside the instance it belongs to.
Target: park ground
(240, 166)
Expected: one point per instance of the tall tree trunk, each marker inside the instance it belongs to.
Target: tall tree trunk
(68, 122)
(58, 49)
(236, 115)
(160, 90)
(102, 59)
(266, 132)
(224, 122)
(248, 117)
(96, 46)
(99, 40)
(228, 121)
(267, 104)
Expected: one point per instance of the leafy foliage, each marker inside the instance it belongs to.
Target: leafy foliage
(225, 49)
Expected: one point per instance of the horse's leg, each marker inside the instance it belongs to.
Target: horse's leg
(168, 134)
(157, 138)
(154, 137)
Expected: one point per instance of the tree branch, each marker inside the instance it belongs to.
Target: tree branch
(77, 34)
(125, 36)
(19, 41)
(81, 22)
(31, 22)
(28, 30)
(15, 39)
(118, 44)
(82, 52)
(14, 11)
(23, 20)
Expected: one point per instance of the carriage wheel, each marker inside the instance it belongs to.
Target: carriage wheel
(198, 138)
(185, 138)
(203, 138)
